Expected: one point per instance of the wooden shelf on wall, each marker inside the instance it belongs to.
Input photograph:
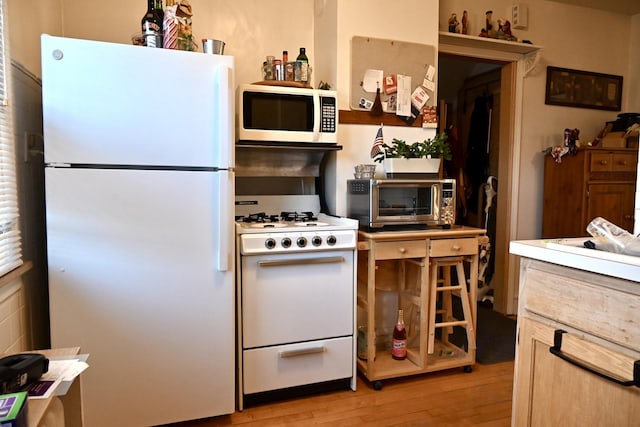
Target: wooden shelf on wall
(355, 117)
(487, 43)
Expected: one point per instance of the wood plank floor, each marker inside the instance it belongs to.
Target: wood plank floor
(447, 398)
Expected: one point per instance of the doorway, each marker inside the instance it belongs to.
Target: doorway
(479, 98)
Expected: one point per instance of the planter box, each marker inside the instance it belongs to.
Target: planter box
(411, 168)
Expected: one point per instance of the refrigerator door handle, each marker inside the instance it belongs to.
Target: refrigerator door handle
(223, 122)
(225, 127)
(225, 193)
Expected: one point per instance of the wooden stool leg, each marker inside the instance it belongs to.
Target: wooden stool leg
(446, 302)
(466, 307)
(433, 284)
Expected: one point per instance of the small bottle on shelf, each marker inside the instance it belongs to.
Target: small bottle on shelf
(399, 348)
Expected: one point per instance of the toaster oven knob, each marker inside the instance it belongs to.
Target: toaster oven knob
(316, 241)
(301, 242)
(270, 243)
(331, 240)
(286, 242)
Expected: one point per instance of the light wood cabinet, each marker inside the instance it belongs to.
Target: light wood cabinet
(398, 264)
(576, 331)
(594, 182)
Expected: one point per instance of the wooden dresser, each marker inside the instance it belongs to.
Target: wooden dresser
(594, 182)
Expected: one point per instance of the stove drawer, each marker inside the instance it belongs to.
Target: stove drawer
(274, 368)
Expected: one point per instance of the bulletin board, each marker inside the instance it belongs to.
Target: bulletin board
(392, 57)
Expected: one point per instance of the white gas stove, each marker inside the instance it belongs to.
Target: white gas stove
(284, 224)
(296, 278)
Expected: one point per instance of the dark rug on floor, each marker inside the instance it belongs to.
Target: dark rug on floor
(495, 335)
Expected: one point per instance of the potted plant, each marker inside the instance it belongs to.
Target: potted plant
(416, 158)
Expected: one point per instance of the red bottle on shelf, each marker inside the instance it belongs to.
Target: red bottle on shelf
(399, 348)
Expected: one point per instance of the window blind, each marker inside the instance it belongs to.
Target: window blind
(10, 243)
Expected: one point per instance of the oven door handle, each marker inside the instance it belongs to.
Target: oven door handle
(301, 352)
(301, 261)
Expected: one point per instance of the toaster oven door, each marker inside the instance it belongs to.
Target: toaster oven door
(400, 204)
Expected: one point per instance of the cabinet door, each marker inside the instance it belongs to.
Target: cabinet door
(549, 391)
(614, 202)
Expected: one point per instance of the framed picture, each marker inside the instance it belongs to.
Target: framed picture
(583, 89)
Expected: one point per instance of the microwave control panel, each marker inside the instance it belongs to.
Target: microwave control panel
(328, 114)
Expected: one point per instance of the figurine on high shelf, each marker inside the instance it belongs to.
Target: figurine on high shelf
(465, 23)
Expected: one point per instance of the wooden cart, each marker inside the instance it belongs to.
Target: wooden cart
(400, 263)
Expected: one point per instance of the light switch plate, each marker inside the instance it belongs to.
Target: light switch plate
(519, 16)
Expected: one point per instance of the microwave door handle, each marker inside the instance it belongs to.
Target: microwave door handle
(316, 116)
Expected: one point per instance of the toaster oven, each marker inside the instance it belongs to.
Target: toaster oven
(376, 203)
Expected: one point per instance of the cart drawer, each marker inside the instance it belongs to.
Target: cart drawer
(401, 249)
(273, 368)
(452, 247)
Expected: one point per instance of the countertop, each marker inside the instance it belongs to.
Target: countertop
(572, 253)
(419, 233)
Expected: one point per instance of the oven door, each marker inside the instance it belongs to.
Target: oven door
(296, 297)
(404, 203)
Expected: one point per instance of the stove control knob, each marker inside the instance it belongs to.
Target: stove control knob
(316, 241)
(270, 243)
(286, 242)
(331, 240)
(301, 242)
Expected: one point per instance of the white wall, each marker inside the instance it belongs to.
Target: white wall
(252, 29)
(572, 37)
(411, 21)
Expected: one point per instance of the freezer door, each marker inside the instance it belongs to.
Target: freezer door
(107, 103)
(135, 281)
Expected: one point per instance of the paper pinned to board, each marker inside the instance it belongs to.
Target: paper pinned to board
(403, 101)
(372, 80)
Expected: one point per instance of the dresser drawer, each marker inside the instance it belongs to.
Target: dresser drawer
(625, 162)
(274, 368)
(613, 162)
(401, 249)
(601, 162)
(453, 247)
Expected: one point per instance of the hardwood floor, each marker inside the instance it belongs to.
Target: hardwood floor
(446, 398)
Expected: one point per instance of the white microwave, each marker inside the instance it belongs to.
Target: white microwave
(286, 114)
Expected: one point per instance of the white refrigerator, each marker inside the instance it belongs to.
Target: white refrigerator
(139, 155)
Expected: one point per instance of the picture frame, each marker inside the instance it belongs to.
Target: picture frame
(583, 89)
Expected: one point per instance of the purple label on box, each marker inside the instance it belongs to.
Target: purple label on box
(5, 406)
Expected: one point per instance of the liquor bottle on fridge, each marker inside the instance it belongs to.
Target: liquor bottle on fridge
(304, 65)
(399, 349)
(152, 24)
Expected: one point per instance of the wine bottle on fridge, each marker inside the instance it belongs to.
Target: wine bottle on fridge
(399, 348)
(152, 25)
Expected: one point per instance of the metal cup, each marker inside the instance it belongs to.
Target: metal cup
(213, 46)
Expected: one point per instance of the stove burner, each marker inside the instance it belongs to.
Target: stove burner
(298, 216)
(260, 217)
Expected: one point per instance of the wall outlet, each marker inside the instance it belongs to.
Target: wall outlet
(519, 16)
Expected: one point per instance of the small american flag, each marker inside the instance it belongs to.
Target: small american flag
(377, 144)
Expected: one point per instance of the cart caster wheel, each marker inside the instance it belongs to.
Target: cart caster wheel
(377, 385)
(468, 369)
